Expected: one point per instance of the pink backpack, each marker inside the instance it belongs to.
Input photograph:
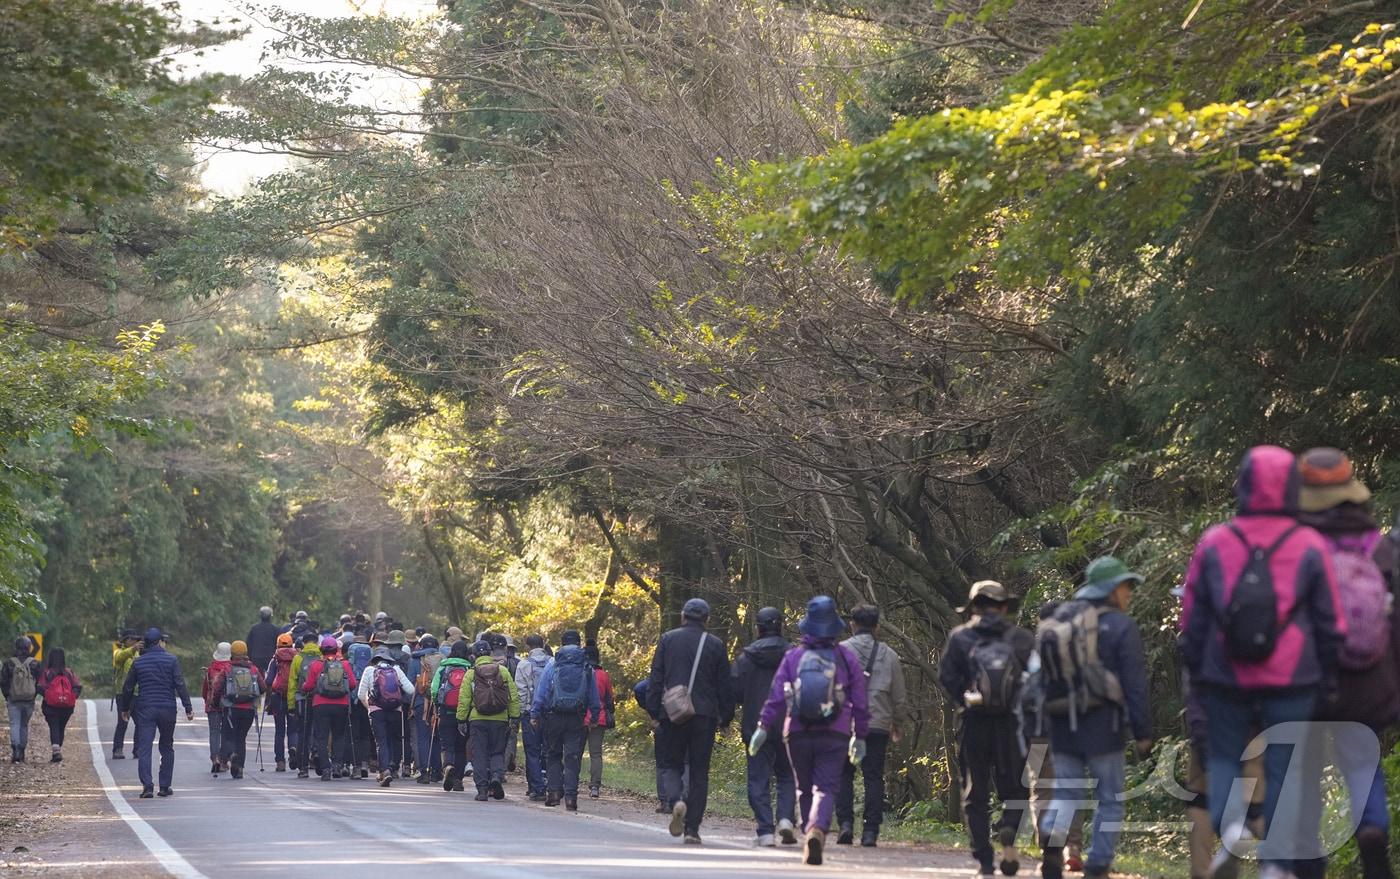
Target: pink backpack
(1365, 601)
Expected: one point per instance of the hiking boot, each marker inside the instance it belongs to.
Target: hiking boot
(457, 785)
(498, 791)
(787, 832)
(869, 837)
(767, 840)
(1375, 857)
(281, 766)
(214, 768)
(594, 792)
(1074, 860)
(677, 826)
(1052, 862)
(662, 810)
(147, 793)
(1095, 873)
(552, 799)
(535, 797)
(165, 792)
(385, 779)
(364, 773)
(336, 772)
(303, 773)
(467, 773)
(57, 755)
(235, 773)
(436, 777)
(1010, 859)
(571, 804)
(692, 838)
(846, 836)
(448, 777)
(812, 850)
(117, 754)
(424, 777)
(482, 796)
(325, 775)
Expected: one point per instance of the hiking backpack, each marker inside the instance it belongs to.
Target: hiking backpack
(334, 680)
(571, 677)
(816, 694)
(1365, 602)
(385, 691)
(22, 685)
(427, 671)
(996, 675)
(489, 693)
(240, 685)
(59, 692)
(1250, 620)
(280, 679)
(1074, 679)
(450, 690)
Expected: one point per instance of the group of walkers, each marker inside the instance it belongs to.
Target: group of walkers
(24, 680)
(1285, 619)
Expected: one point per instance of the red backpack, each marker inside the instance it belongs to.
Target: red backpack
(59, 692)
(284, 673)
(450, 690)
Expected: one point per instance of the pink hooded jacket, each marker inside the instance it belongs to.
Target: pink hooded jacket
(1307, 596)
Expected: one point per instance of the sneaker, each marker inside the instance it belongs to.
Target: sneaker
(1226, 864)
(425, 777)
(552, 799)
(1010, 859)
(677, 826)
(594, 792)
(457, 785)
(467, 773)
(165, 792)
(498, 790)
(1052, 862)
(118, 755)
(787, 832)
(325, 775)
(1074, 862)
(812, 850)
(303, 773)
(662, 810)
(448, 777)
(214, 768)
(147, 793)
(571, 804)
(281, 766)
(846, 836)
(482, 796)
(235, 773)
(692, 839)
(767, 840)
(535, 797)
(364, 773)
(56, 758)
(385, 779)
(869, 838)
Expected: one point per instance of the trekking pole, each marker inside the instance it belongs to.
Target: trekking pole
(350, 724)
(261, 715)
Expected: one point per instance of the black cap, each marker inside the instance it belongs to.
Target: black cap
(571, 637)
(481, 648)
(130, 635)
(769, 620)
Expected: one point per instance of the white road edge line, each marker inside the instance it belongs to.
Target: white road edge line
(171, 860)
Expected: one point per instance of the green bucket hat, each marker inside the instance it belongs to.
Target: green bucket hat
(1103, 575)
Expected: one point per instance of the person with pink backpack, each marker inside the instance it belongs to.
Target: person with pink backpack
(1337, 504)
(60, 689)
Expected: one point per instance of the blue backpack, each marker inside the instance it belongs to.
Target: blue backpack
(571, 677)
(816, 693)
(359, 656)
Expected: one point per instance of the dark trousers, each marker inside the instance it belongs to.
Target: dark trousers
(283, 733)
(454, 744)
(771, 766)
(533, 741)
(990, 754)
(817, 758)
(306, 738)
(688, 746)
(387, 724)
(489, 740)
(564, 736)
(119, 737)
(872, 769)
(332, 725)
(233, 748)
(428, 754)
(57, 719)
(149, 723)
(361, 736)
(410, 750)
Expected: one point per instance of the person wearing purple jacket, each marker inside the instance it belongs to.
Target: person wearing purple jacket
(820, 690)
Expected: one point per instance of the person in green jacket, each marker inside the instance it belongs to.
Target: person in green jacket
(446, 693)
(124, 652)
(298, 705)
(487, 704)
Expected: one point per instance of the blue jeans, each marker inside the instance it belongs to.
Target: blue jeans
(533, 741)
(429, 754)
(1365, 780)
(387, 724)
(149, 722)
(771, 765)
(20, 712)
(1072, 792)
(1235, 715)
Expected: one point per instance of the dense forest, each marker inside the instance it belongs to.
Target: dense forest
(651, 300)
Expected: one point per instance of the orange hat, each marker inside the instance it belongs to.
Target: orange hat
(284, 639)
(239, 648)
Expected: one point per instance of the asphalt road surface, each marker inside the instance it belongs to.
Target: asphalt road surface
(274, 824)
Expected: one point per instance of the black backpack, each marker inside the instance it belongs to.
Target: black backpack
(996, 675)
(1250, 620)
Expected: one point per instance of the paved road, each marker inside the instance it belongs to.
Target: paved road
(273, 824)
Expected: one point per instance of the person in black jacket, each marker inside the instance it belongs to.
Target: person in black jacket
(151, 688)
(262, 639)
(981, 672)
(689, 657)
(753, 678)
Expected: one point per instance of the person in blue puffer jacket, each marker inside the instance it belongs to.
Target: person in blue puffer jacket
(151, 689)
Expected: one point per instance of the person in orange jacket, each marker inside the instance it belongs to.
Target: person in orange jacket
(598, 722)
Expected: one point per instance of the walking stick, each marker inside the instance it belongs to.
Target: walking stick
(350, 724)
(261, 715)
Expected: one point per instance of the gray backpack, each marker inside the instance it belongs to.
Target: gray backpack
(22, 685)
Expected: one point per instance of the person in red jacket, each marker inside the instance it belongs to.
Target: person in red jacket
(238, 689)
(214, 706)
(329, 684)
(598, 722)
(60, 689)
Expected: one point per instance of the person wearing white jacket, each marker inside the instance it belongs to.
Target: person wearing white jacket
(386, 691)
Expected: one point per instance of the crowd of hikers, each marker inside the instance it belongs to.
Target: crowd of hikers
(1285, 625)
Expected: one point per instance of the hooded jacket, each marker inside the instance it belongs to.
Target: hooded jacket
(884, 682)
(210, 690)
(283, 655)
(313, 674)
(607, 714)
(753, 677)
(450, 662)
(1308, 602)
(528, 673)
(854, 716)
(466, 708)
(310, 652)
(366, 685)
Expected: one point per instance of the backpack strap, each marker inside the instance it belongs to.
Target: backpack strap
(874, 655)
(695, 666)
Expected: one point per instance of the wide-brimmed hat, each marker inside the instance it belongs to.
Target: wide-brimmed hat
(822, 619)
(986, 590)
(223, 650)
(1104, 575)
(394, 638)
(1328, 480)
